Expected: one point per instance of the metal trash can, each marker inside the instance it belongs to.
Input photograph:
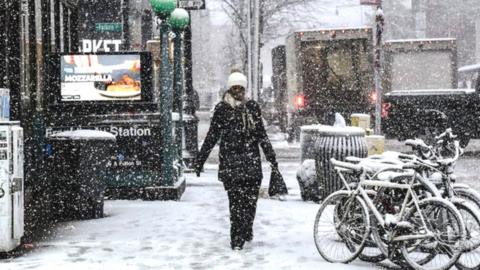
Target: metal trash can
(338, 143)
(77, 163)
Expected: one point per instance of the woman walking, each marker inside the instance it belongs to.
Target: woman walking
(237, 124)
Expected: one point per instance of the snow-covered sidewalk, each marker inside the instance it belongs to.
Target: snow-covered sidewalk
(189, 234)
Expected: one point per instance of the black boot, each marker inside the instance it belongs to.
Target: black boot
(237, 245)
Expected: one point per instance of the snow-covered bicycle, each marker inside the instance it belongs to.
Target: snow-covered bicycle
(432, 226)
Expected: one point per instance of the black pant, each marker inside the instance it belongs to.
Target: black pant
(243, 205)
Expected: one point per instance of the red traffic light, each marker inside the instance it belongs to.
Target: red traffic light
(299, 101)
(385, 110)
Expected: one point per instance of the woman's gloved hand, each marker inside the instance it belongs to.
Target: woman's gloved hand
(197, 166)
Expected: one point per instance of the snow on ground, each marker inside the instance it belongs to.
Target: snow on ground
(193, 233)
(189, 234)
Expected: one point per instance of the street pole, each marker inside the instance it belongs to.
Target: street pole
(163, 9)
(379, 24)
(177, 92)
(190, 118)
(166, 99)
(179, 19)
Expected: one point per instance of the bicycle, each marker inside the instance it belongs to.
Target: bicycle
(463, 197)
(444, 144)
(411, 231)
(435, 173)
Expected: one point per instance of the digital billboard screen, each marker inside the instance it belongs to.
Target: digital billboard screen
(100, 77)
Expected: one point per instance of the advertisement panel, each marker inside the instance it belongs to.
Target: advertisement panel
(92, 77)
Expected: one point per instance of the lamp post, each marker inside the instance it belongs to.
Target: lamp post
(179, 20)
(163, 9)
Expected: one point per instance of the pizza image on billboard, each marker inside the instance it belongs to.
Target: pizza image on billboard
(97, 77)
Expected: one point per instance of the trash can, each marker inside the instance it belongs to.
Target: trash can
(77, 163)
(338, 143)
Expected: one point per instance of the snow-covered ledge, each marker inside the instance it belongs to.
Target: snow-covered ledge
(84, 134)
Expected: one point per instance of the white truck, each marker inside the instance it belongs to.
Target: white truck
(328, 71)
(422, 97)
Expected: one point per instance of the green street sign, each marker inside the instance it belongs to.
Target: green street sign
(108, 27)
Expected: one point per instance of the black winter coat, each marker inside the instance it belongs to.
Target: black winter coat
(240, 131)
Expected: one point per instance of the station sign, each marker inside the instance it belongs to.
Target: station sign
(191, 4)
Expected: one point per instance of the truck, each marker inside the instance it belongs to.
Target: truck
(327, 71)
(421, 95)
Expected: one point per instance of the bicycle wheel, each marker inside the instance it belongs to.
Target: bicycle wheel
(467, 194)
(341, 227)
(443, 248)
(470, 258)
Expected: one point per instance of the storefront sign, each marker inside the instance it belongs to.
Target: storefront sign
(100, 20)
(93, 45)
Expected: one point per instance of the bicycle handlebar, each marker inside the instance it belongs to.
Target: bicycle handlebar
(448, 161)
(416, 143)
(448, 134)
(414, 162)
(423, 150)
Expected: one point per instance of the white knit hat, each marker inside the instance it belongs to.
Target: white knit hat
(237, 78)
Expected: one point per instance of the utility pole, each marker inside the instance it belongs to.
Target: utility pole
(256, 50)
(379, 24)
(377, 65)
(249, 49)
